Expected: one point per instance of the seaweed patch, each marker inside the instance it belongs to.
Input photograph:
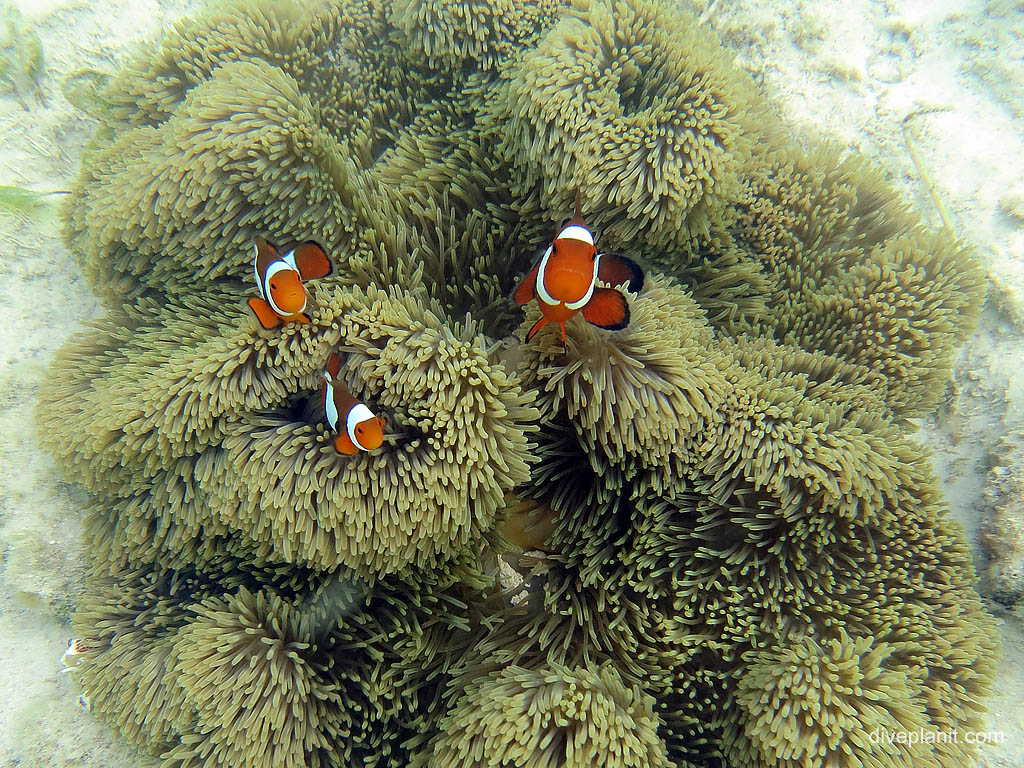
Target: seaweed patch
(21, 56)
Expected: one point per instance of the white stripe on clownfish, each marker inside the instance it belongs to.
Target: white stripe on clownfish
(590, 290)
(329, 407)
(356, 416)
(256, 268)
(576, 232)
(546, 297)
(289, 259)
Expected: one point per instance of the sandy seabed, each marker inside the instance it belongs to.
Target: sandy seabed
(933, 90)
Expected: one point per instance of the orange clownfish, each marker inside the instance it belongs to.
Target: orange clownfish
(565, 281)
(358, 429)
(282, 294)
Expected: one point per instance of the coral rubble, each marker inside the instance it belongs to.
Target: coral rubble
(1002, 535)
(743, 558)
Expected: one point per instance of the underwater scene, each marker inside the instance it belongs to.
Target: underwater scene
(468, 384)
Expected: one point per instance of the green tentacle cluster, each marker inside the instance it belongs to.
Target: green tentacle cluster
(645, 117)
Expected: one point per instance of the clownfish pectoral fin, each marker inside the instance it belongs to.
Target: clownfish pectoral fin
(343, 444)
(607, 309)
(311, 260)
(264, 313)
(334, 365)
(536, 327)
(525, 290)
(616, 269)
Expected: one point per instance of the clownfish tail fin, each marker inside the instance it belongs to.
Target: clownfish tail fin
(616, 269)
(311, 260)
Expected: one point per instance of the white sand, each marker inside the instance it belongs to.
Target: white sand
(852, 70)
(43, 299)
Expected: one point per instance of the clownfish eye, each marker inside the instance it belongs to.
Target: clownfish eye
(359, 429)
(273, 285)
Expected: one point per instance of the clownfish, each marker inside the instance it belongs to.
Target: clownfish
(358, 429)
(282, 294)
(565, 281)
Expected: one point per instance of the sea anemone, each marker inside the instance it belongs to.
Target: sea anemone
(744, 557)
(554, 716)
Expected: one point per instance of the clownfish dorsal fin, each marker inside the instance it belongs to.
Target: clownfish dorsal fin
(577, 218)
(338, 401)
(616, 269)
(264, 253)
(577, 215)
